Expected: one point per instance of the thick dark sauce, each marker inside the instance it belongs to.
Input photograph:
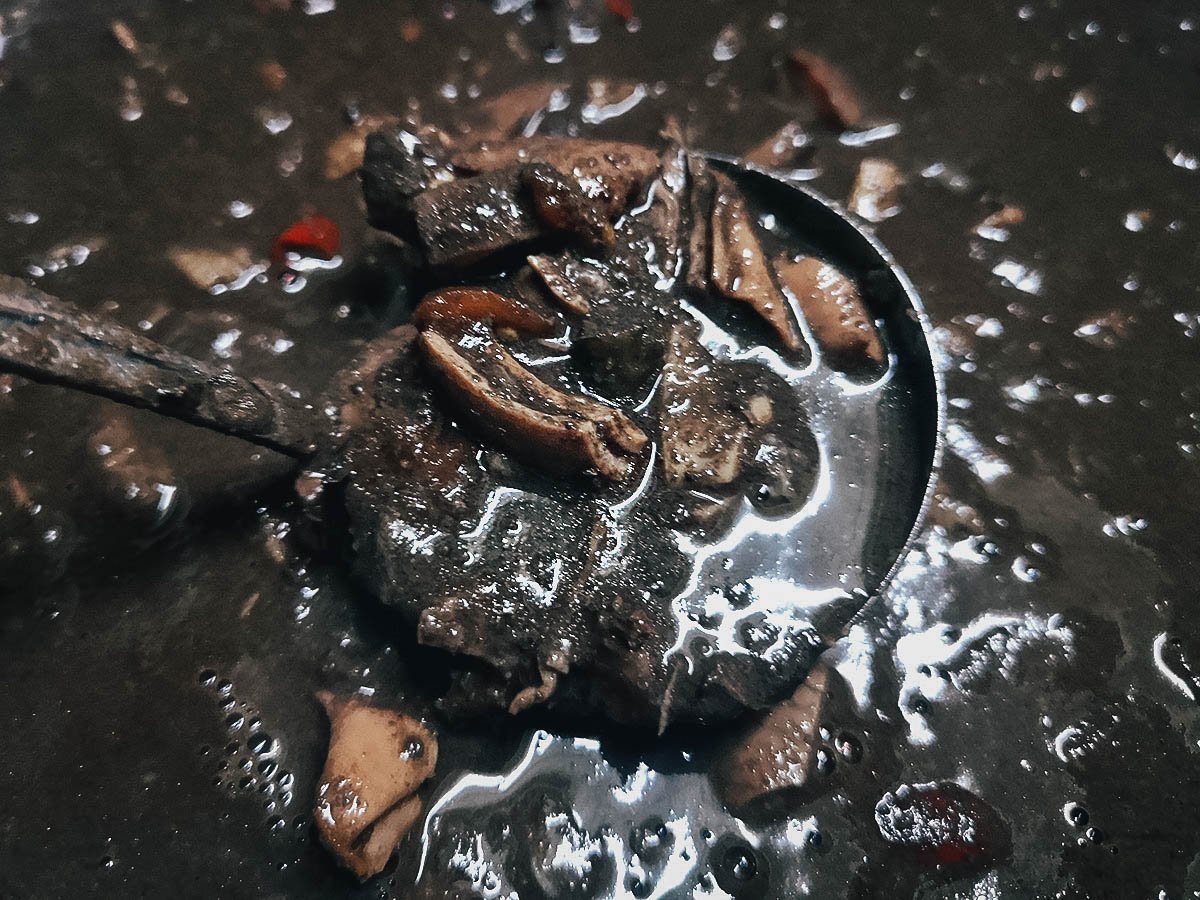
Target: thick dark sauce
(1026, 649)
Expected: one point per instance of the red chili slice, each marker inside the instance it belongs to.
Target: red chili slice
(312, 236)
(622, 9)
(944, 825)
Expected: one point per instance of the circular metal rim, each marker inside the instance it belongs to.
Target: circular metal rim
(863, 232)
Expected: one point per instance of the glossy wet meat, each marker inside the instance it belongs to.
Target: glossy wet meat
(834, 310)
(531, 576)
(562, 206)
(508, 196)
(552, 430)
(739, 269)
(457, 308)
(398, 166)
(569, 281)
(485, 569)
(609, 173)
(367, 799)
(454, 235)
(779, 753)
(704, 437)
(470, 483)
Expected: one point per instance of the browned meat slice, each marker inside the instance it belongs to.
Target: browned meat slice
(997, 225)
(206, 268)
(667, 200)
(876, 189)
(835, 100)
(503, 114)
(136, 480)
(351, 389)
(569, 281)
(461, 223)
(563, 207)
(396, 167)
(516, 193)
(779, 752)
(834, 311)
(739, 268)
(367, 799)
(703, 440)
(609, 172)
(616, 427)
(700, 207)
(460, 307)
(344, 154)
(779, 148)
(527, 416)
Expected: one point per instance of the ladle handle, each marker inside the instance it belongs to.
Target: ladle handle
(48, 340)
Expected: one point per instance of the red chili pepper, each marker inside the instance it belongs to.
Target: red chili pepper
(311, 236)
(623, 9)
(944, 825)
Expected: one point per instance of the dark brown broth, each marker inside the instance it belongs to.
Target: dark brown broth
(1054, 524)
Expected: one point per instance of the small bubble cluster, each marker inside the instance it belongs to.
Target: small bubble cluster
(249, 762)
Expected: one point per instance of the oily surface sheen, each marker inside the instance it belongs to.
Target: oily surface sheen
(158, 726)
